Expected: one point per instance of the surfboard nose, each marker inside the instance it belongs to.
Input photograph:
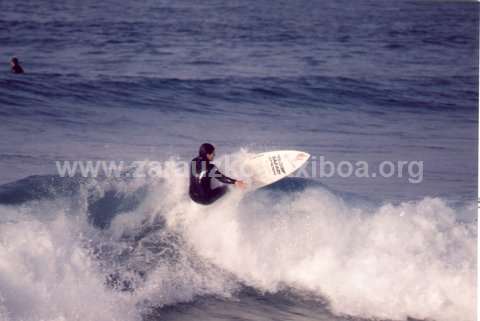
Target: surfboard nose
(302, 156)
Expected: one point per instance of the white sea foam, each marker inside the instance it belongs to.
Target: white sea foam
(46, 273)
(392, 261)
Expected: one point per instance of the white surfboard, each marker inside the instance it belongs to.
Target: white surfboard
(266, 168)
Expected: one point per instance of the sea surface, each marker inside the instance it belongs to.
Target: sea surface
(146, 82)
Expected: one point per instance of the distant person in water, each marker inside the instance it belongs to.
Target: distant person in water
(16, 68)
(201, 174)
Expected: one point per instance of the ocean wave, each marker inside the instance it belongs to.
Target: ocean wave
(127, 248)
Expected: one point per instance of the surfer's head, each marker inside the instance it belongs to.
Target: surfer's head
(14, 61)
(207, 151)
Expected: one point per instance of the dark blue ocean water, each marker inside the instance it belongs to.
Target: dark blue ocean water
(134, 80)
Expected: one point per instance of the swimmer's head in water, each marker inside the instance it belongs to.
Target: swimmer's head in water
(207, 151)
(14, 61)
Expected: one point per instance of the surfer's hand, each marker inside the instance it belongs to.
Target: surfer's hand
(240, 184)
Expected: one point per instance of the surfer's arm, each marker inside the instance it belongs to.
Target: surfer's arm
(222, 178)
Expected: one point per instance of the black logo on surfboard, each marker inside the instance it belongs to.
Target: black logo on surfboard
(277, 165)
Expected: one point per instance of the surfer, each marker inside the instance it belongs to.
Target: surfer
(201, 175)
(16, 68)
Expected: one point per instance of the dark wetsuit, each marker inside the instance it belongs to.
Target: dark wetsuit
(201, 174)
(17, 69)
